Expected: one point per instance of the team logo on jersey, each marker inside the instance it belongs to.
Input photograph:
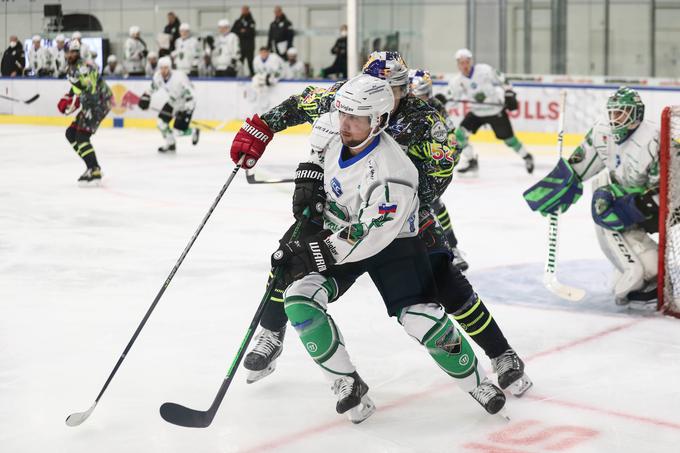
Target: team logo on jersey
(385, 208)
(439, 132)
(336, 187)
(618, 160)
(412, 223)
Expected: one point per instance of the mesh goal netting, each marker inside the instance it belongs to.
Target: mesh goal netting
(669, 212)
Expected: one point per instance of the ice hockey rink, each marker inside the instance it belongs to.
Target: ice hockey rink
(80, 267)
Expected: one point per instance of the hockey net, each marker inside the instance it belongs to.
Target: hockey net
(669, 212)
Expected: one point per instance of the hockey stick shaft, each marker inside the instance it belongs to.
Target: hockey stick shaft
(250, 177)
(183, 416)
(27, 101)
(78, 418)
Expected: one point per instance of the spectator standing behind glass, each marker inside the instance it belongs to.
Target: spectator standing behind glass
(59, 56)
(205, 67)
(280, 37)
(151, 64)
(244, 27)
(171, 29)
(339, 66)
(112, 68)
(135, 53)
(292, 68)
(13, 59)
(188, 51)
(227, 53)
(40, 59)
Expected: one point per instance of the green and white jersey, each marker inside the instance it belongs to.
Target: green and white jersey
(371, 198)
(187, 54)
(484, 85)
(633, 163)
(179, 89)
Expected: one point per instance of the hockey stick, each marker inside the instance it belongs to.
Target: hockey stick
(191, 418)
(250, 177)
(77, 418)
(550, 273)
(198, 123)
(27, 101)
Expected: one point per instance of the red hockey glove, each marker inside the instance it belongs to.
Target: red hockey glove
(68, 104)
(251, 141)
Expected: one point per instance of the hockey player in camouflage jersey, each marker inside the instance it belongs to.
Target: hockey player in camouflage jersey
(91, 93)
(622, 155)
(421, 132)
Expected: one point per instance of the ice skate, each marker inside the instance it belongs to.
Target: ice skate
(458, 260)
(167, 148)
(510, 370)
(469, 167)
(91, 177)
(261, 360)
(195, 135)
(489, 396)
(529, 163)
(352, 398)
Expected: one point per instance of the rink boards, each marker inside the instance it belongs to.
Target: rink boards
(224, 104)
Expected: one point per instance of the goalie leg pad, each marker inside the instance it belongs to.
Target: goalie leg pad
(305, 302)
(430, 326)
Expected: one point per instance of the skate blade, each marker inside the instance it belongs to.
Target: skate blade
(362, 411)
(89, 184)
(503, 413)
(520, 386)
(255, 376)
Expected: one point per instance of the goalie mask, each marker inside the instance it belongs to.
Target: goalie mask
(389, 66)
(625, 111)
(420, 83)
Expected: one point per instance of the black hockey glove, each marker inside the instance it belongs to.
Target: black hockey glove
(309, 191)
(144, 101)
(301, 257)
(441, 98)
(511, 103)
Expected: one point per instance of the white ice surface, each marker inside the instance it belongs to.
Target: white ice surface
(80, 267)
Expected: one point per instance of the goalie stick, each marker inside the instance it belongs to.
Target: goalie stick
(27, 101)
(550, 273)
(191, 418)
(77, 418)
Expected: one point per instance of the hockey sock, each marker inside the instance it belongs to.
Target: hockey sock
(445, 221)
(305, 305)
(274, 316)
(476, 320)
(516, 145)
(166, 132)
(431, 327)
(461, 137)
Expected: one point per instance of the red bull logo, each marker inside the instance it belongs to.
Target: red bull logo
(123, 99)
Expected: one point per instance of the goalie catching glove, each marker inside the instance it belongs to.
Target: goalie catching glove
(617, 208)
(301, 257)
(309, 191)
(556, 192)
(251, 140)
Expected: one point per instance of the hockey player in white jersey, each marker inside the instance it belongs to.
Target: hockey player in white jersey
(227, 51)
(268, 68)
(180, 104)
(59, 56)
(151, 64)
(371, 226)
(40, 59)
(489, 97)
(292, 67)
(113, 68)
(135, 53)
(622, 155)
(188, 51)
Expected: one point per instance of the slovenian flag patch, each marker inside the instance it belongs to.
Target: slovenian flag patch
(385, 208)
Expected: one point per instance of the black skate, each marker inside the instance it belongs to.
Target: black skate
(489, 396)
(458, 260)
(167, 148)
(472, 166)
(261, 361)
(352, 398)
(91, 177)
(529, 163)
(646, 295)
(510, 370)
(195, 135)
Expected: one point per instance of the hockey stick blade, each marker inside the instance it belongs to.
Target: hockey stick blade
(183, 416)
(28, 101)
(77, 418)
(562, 290)
(250, 177)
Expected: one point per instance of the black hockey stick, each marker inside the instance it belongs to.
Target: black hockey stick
(27, 101)
(77, 418)
(191, 418)
(250, 177)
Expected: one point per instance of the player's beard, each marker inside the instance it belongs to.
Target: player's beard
(351, 143)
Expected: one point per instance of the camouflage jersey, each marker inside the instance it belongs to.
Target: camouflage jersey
(415, 126)
(93, 92)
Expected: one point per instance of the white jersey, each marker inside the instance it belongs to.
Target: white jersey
(633, 163)
(179, 89)
(85, 52)
(272, 66)
(227, 51)
(117, 71)
(371, 198)
(135, 60)
(150, 70)
(41, 61)
(485, 85)
(60, 65)
(187, 54)
(294, 71)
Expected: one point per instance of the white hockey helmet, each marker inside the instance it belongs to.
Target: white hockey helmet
(365, 95)
(164, 62)
(185, 27)
(74, 46)
(134, 30)
(76, 35)
(420, 82)
(112, 59)
(36, 38)
(292, 51)
(463, 54)
(60, 38)
(152, 55)
(223, 23)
